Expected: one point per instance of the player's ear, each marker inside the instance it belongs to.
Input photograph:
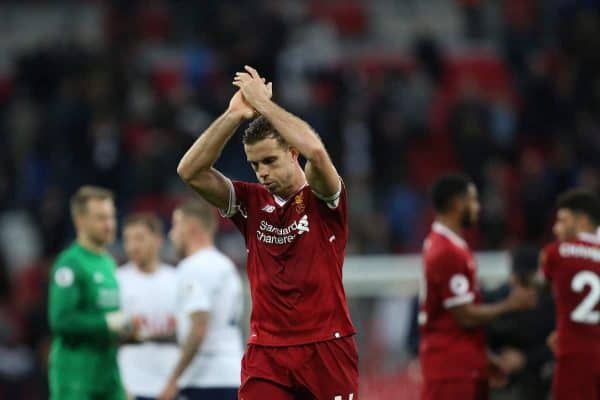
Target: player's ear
(294, 152)
(456, 203)
(78, 220)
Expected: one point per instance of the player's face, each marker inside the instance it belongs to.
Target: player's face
(565, 226)
(98, 221)
(273, 164)
(471, 207)
(178, 232)
(141, 244)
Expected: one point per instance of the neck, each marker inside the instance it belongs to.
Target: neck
(197, 245)
(149, 267)
(451, 223)
(298, 181)
(85, 242)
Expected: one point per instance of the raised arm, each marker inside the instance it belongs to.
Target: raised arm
(320, 171)
(196, 166)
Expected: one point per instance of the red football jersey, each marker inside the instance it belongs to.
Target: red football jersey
(447, 350)
(296, 253)
(573, 266)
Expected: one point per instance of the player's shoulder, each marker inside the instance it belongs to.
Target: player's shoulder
(551, 248)
(438, 246)
(210, 259)
(66, 268)
(549, 252)
(70, 256)
(220, 260)
(440, 255)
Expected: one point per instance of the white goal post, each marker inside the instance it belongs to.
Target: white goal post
(399, 275)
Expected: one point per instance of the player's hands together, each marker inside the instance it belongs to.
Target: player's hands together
(254, 89)
(239, 107)
(156, 328)
(125, 326)
(521, 298)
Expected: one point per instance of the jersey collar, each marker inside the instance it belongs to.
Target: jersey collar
(281, 201)
(589, 237)
(443, 230)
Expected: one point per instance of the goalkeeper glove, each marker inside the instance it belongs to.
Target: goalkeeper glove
(120, 323)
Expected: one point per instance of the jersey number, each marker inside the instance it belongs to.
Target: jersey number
(585, 313)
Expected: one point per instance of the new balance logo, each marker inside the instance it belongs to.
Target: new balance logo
(303, 225)
(269, 208)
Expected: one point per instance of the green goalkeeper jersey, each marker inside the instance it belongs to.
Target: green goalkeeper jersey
(83, 288)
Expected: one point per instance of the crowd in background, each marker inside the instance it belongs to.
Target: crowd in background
(515, 103)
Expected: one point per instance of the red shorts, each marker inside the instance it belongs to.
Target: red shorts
(576, 378)
(455, 390)
(325, 370)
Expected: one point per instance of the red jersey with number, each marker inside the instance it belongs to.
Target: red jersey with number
(447, 350)
(296, 253)
(573, 266)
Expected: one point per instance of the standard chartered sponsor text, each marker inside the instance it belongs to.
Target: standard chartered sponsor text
(270, 234)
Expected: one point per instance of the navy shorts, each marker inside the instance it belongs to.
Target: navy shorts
(208, 394)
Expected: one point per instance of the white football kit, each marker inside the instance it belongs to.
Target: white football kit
(145, 367)
(209, 281)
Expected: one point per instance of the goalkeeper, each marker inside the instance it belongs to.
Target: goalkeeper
(84, 315)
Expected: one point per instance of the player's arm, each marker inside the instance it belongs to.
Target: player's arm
(472, 315)
(196, 166)
(189, 349)
(457, 289)
(320, 171)
(65, 317)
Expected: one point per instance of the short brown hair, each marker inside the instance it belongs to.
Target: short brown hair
(581, 201)
(201, 210)
(259, 129)
(151, 221)
(84, 194)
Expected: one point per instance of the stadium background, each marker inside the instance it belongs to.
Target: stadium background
(112, 93)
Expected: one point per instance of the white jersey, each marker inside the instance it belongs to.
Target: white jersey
(209, 281)
(145, 367)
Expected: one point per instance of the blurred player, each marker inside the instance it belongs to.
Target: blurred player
(572, 264)
(452, 348)
(148, 291)
(83, 312)
(294, 221)
(209, 309)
